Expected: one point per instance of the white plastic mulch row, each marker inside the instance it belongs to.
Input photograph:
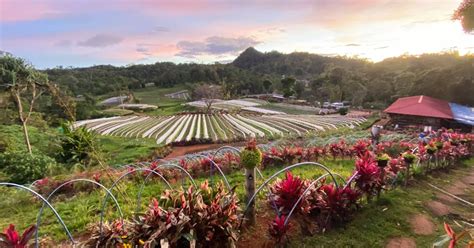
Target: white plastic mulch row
(217, 127)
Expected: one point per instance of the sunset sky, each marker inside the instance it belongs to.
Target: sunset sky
(78, 33)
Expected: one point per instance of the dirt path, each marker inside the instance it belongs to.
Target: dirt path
(443, 206)
(179, 151)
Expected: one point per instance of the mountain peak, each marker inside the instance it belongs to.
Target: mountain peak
(248, 58)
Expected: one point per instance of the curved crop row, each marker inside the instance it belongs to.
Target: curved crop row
(204, 128)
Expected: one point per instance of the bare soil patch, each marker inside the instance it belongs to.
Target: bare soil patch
(422, 224)
(438, 208)
(468, 179)
(401, 243)
(458, 188)
(184, 150)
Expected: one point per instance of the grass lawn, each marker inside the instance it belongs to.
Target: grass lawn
(166, 105)
(156, 96)
(121, 150)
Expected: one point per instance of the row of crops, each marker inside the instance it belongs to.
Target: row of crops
(200, 128)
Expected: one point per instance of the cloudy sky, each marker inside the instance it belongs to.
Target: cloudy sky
(82, 33)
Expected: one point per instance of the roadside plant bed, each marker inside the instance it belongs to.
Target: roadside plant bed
(324, 206)
(278, 156)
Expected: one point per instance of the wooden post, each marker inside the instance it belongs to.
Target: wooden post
(250, 191)
(407, 175)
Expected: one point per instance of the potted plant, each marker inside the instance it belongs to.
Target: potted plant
(408, 157)
(250, 158)
(382, 160)
(439, 145)
(431, 149)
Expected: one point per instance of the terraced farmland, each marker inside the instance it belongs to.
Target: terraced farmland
(201, 128)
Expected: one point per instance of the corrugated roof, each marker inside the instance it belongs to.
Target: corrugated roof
(463, 114)
(421, 106)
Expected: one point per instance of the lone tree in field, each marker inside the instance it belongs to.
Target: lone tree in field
(465, 14)
(25, 85)
(208, 94)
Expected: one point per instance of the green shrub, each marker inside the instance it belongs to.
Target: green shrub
(78, 145)
(343, 111)
(20, 167)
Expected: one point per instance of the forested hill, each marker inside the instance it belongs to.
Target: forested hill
(448, 76)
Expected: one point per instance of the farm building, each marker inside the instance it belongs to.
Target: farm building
(428, 111)
(184, 94)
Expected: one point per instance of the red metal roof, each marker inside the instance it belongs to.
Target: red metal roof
(421, 106)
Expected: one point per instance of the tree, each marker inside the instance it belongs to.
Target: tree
(288, 84)
(267, 84)
(299, 89)
(465, 14)
(25, 85)
(209, 94)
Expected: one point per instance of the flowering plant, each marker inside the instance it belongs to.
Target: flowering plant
(11, 238)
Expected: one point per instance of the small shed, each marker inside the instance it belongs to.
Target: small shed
(428, 111)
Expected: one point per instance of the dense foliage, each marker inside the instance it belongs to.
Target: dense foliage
(447, 76)
(204, 217)
(78, 145)
(25, 168)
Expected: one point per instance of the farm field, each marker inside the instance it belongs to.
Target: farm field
(257, 106)
(202, 128)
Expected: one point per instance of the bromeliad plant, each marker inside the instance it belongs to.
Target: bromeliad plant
(367, 178)
(10, 237)
(285, 192)
(337, 204)
(278, 231)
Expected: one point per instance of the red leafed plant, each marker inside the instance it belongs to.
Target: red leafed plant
(360, 147)
(251, 144)
(338, 203)
(453, 238)
(286, 192)
(339, 149)
(11, 238)
(368, 175)
(278, 230)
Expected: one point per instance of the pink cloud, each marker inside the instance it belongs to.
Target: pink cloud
(23, 10)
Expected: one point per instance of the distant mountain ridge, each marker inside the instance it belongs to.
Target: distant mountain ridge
(447, 76)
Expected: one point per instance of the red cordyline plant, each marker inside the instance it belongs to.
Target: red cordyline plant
(360, 147)
(422, 153)
(10, 237)
(285, 192)
(394, 166)
(337, 203)
(278, 230)
(314, 153)
(339, 149)
(368, 175)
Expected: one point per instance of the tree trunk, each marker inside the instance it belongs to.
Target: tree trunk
(23, 121)
(250, 191)
(27, 138)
